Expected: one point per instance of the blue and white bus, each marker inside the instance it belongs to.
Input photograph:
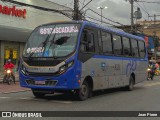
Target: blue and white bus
(81, 57)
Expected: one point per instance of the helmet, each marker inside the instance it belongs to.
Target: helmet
(9, 60)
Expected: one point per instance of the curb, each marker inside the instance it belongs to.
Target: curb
(16, 79)
(1, 81)
(14, 91)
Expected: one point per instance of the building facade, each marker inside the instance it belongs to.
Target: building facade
(17, 22)
(152, 28)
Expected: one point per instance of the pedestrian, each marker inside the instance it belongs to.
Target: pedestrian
(153, 70)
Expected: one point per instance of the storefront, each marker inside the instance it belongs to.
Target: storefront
(17, 22)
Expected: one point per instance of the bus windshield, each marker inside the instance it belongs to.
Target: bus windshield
(56, 40)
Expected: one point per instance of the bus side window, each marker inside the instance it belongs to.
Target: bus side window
(117, 43)
(84, 46)
(142, 50)
(126, 47)
(87, 42)
(100, 42)
(106, 43)
(134, 48)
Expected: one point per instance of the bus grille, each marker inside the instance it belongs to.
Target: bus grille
(43, 63)
(47, 83)
(42, 74)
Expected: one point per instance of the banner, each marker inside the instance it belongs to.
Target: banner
(15, 54)
(7, 54)
(146, 41)
(80, 114)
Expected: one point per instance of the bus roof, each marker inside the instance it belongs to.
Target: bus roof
(114, 30)
(110, 29)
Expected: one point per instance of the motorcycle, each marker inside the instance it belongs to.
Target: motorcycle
(150, 74)
(8, 78)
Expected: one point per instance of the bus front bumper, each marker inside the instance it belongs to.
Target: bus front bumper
(66, 81)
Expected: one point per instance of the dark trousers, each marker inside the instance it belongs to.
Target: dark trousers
(152, 75)
(12, 75)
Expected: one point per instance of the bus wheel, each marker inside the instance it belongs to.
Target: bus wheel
(38, 94)
(83, 92)
(131, 84)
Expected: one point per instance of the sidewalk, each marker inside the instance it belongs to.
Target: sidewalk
(5, 88)
(16, 77)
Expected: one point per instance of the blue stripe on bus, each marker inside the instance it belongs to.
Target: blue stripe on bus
(119, 58)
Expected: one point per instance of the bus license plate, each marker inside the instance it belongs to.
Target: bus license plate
(40, 82)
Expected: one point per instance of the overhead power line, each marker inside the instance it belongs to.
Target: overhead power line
(149, 2)
(84, 14)
(143, 10)
(63, 12)
(103, 17)
(99, 20)
(85, 5)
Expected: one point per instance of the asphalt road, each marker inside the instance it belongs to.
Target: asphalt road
(144, 97)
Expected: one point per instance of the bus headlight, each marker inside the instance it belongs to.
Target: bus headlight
(65, 67)
(62, 69)
(23, 69)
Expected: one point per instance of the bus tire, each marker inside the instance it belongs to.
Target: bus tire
(84, 91)
(38, 94)
(131, 84)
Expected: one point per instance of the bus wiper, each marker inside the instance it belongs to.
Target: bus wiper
(60, 41)
(42, 43)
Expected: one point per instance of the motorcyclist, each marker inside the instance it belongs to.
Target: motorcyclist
(9, 65)
(153, 69)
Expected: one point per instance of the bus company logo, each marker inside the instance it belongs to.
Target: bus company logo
(6, 114)
(13, 11)
(19, 114)
(131, 66)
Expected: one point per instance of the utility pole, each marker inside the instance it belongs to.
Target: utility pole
(154, 16)
(155, 52)
(76, 10)
(132, 21)
(101, 14)
(101, 8)
(132, 14)
(154, 19)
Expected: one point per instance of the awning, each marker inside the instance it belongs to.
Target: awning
(8, 33)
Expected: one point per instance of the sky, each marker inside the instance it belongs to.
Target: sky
(117, 10)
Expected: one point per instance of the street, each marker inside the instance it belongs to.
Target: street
(144, 97)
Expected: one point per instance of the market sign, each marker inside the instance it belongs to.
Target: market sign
(13, 11)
